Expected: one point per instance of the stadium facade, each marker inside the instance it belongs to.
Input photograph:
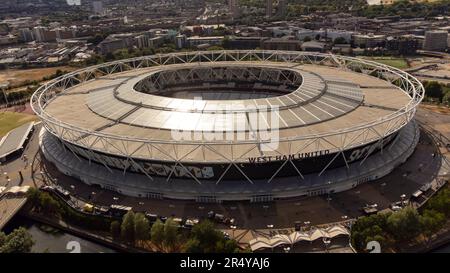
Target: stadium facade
(229, 125)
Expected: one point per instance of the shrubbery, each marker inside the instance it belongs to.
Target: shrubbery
(169, 237)
(391, 228)
(18, 241)
(45, 203)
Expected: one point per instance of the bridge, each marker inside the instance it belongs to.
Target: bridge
(10, 207)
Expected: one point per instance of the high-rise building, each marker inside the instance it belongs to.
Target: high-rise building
(97, 7)
(142, 41)
(64, 33)
(269, 8)
(26, 35)
(42, 34)
(282, 8)
(180, 41)
(435, 40)
(233, 7)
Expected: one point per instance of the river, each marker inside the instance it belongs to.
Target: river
(49, 239)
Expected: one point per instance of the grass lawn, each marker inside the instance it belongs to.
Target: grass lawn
(16, 76)
(11, 120)
(399, 63)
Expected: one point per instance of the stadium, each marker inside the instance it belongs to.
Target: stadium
(229, 125)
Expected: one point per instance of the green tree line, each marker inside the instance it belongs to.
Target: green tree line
(167, 237)
(394, 228)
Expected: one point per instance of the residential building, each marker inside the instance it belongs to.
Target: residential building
(369, 40)
(435, 40)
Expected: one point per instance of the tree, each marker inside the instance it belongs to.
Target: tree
(226, 246)
(207, 235)
(206, 239)
(192, 246)
(431, 222)
(96, 39)
(115, 230)
(141, 227)
(2, 238)
(127, 227)
(369, 228)
(433, 89)
(33, 195)
(170, 234)
(48, 204)
(446, 98)
(157, 234)
(18, 241)
(165, 236)
(340, 40)
(440, 202)
(404, 224)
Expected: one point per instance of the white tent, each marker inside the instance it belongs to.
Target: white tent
(295, 237)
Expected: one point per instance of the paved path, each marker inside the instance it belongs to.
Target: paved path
(10, 206)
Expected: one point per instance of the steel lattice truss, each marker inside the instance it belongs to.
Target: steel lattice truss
(176, 152)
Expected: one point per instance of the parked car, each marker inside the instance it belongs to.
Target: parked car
(178, 221)
(211, 214)
(190, 222)
(226, 235)
(395, 207)
(219, 218)
(118, 210)
(151, 217)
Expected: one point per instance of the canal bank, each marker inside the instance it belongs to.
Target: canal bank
(54, 240)
(81, 233)
(442, 249)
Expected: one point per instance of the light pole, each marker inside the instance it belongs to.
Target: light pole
(266, 208)
(326, 242)
(93, 196)
(382, 187)
(233, 228)
(3, 86)
(329, 193)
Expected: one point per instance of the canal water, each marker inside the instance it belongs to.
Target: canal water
(49, 239)
(443, 249)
